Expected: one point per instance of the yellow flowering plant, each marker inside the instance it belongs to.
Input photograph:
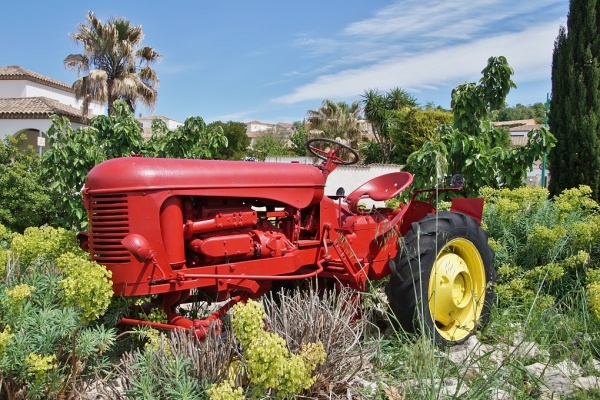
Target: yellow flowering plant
(544, 247)
(49, 295)
(271, 367)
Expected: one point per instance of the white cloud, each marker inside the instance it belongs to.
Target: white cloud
(529, 52)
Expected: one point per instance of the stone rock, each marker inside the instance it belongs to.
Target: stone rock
(569, 368)
(524, 351)
(475, 351)
(553, 378)
(536, 369)
(453, 389)
(596, 365)
(587, 383)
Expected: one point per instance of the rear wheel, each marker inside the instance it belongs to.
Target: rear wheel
(441, 279)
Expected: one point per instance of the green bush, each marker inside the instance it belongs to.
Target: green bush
(48, 345)
(26, 197)
(271, 367)
(544, 247)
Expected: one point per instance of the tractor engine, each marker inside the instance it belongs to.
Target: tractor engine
(215, 234)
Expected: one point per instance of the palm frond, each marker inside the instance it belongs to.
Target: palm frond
(114, 48)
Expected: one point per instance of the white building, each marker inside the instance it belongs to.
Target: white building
(28, 99)
(147, 124)
(255, 129)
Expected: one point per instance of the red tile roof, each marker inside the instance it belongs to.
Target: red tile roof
(38, 108)
(14, 72)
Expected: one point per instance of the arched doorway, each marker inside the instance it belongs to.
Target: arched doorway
(32, 139)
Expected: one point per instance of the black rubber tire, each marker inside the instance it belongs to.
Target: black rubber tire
(412, 268)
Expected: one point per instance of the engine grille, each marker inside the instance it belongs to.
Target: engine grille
(109, 224)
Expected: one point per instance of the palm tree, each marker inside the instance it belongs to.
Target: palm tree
(115, 64)
(378, 108)
(337, 120)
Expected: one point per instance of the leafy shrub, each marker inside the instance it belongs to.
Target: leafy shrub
(317, 334)
(46, 243)
(544, 247)
(323, 316)
(86, 285)
(593, 291)
(26, 197)
(271, 367)
(48, 346)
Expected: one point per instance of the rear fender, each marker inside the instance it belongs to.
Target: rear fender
(473, 207)
(416, 211)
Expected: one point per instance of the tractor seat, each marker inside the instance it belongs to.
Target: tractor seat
(383, 187)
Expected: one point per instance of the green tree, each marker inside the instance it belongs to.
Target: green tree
(237, 140)
(337, 120)
(471, 146)
(269, 145)
(114, 63)
(192, 140)
(536, 111)
(575, 114)
(26, 199)
(413, 127)
(378, 109)
(299, 139)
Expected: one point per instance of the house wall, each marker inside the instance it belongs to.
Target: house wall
(258, 127)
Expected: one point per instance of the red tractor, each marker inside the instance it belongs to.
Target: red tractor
(176, 229)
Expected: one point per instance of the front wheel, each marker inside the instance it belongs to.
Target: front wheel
(441, 280)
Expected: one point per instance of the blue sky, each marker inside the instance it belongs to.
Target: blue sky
(272, 60)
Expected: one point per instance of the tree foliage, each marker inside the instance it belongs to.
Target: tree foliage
(536, 111)
(269, 144)
(114, 63)
(237, 140)
(26, 199)
(379, 110)
(575, 114)
(337, 120)
(73, 153)
(192, 140)
(412, 128)
(471, 146)
(299, 139)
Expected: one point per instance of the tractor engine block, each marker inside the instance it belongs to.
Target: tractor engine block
(219, 234)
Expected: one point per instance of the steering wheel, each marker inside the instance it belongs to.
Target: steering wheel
(340, 154)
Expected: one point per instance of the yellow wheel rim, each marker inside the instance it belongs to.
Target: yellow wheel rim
(457, 289)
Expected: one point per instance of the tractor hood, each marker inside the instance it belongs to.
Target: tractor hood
(294, 184)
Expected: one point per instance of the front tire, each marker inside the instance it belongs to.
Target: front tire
(441, 280)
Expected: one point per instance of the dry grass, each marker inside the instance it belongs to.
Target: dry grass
(204, 361)
(330, 317)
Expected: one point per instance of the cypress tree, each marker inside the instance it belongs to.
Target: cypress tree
(575, 113)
